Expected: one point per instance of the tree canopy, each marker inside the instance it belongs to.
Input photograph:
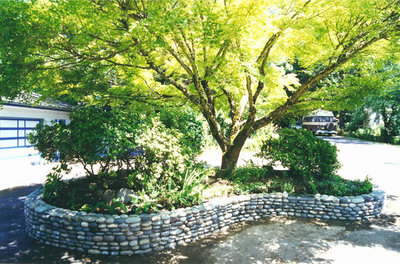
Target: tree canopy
(231, 58)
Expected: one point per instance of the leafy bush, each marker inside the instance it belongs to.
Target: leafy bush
(161, 160)
(302, 153)
(95, 135)
(54, 186)
(253, 179)
(186, 122)
(86, 194)
(110, 136)
(250, 187)
(282, 185)
(338, 186)
(248, 173)
(307, 157)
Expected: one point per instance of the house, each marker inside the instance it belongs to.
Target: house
(18, 118)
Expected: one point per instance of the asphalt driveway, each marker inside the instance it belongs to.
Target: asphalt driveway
(276, 240)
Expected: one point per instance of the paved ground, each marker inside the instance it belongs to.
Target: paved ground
(16, 173)
(276, 240)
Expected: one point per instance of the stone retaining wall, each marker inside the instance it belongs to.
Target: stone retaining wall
(138, 234)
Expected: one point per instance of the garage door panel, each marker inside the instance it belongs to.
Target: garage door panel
(8, 133)
(8, 143)
(31, 124)
(4, 123)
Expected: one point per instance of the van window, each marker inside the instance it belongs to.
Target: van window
(324, 118)
(309, 119)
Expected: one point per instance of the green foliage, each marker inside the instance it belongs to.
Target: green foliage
(255, 141)
(134, 151)
(250, 187)
(188, 124)
(386, 108)
(114, 138)
(307, 157)
(248, 173)
(282, 185)
(359, 119)
(95, 135)
(54, 186)
(253, 179)
(86, 194)
(15, 43)
(162, 159)
(302, 153)
(338, 186)
(189, 189)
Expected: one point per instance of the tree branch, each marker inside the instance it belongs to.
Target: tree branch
(280, 111)
(263, 57)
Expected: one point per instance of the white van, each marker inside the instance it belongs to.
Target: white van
(321, 122)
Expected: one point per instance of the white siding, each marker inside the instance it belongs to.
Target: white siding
(27, 112)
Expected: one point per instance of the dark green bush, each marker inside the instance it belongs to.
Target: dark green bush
(307, 157)
(253, 179)
(256, 179)
(248, 173)
(95, 135)
(338, 186)
(301, 152)
(186, 122)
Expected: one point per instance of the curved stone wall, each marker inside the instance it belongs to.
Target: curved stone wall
(138, 234)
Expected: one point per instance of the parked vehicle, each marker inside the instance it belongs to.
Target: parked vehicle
(321, 123)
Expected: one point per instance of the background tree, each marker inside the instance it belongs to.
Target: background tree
(387, 107)
(222, 57)
(381, 107)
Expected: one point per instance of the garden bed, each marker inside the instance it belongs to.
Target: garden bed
(137, 234)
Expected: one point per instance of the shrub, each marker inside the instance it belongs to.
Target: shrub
(282, 185)
(338, 186)
(133, 151)
(306, 156)
(95, 135)
(186, 122)
(110, 136)
(161, 159)
(248, 173)
(54, 186)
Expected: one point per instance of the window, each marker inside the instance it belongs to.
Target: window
(309, 119)
(14, 131)
(324, 119)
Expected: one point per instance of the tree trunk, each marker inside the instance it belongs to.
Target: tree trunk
(229, 159)
(231, 156)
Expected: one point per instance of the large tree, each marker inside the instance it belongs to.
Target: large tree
(224, 57)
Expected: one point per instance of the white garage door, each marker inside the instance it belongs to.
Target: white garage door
(13, 132)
